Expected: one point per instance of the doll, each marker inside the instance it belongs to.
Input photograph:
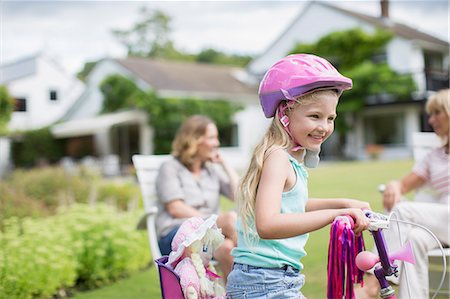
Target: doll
(192, 250)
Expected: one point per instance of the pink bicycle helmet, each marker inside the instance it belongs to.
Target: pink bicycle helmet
(296, 75)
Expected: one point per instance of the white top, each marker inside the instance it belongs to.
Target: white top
(435, 169)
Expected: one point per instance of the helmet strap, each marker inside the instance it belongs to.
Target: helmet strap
(284, 120)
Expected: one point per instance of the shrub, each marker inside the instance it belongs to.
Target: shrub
(119, 193)
(88, 245)
(14, 202)
(36, 146)
(51, 185)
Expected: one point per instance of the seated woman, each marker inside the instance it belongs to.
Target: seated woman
(434, 170)
(191, 183)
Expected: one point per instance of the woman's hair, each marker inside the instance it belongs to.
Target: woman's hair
(275, 138)
(440, 101)
(188, 137)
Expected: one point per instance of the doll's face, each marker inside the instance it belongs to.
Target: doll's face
(206, 253)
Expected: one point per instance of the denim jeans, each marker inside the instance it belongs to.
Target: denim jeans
(247, 281)
(165, 243)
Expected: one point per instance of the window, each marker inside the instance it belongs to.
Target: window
(53, 95)
(20, 105)
(228, 135)
(387, 129)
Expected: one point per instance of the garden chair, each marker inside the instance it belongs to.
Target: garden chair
(423, 142)
(147, 167)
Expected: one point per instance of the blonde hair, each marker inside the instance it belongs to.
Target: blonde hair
(440, 101)
(275, 138)
(188, 137)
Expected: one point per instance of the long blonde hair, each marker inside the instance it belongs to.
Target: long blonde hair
(275, 138)
(188, 137)
(440, 101)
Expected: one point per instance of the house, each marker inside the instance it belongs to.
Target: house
(42, 90)
(410, 51)
(127, 132)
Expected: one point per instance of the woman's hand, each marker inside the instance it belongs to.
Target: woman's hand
(392, 194)
(216, 157)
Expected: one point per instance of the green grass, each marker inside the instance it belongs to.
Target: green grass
(342, 179)
(142, 285)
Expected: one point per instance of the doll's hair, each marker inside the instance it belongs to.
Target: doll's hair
(188, 137)
(440, 101)
(275, 138)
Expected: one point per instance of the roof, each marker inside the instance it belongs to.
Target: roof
(397, 28)
(188, 77)
(18, 69)
(92, 125)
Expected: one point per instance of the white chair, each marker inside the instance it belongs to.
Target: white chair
(423, 142)
(147, 167)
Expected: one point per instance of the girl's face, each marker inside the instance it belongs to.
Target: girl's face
(438, 119)
(209, 143)
(312, 122)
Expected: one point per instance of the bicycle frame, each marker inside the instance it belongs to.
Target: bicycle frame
(383, 264)
(386, 268)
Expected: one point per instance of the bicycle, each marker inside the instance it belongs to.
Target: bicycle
(383, 264)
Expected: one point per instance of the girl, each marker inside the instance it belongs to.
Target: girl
(301, 93)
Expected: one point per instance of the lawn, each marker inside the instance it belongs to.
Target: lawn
(341, 179)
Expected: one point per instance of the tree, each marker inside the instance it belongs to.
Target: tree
(6, 108)
(149, 37)
(117, 92)
(87, 68)
(213, 56)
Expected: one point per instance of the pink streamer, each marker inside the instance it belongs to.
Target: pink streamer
(342, 251)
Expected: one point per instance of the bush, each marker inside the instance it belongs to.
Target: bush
(120, 194)
(39, 192)
(51, 185)
(36, 146)
(14, 202)
(90, 246)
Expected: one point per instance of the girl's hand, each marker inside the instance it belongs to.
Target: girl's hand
(360, 219)
(391, 195)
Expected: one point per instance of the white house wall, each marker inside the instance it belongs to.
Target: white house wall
(40, 110)
(405, 57)
(252, 125)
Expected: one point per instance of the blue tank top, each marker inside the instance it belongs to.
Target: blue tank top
(277, 253)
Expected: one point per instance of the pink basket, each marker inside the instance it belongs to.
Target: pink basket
(169, 280)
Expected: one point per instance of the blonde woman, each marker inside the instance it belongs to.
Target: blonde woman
(434, 170)
(191, 183)
(301, 93)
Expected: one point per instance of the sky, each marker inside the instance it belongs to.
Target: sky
(75, 32)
